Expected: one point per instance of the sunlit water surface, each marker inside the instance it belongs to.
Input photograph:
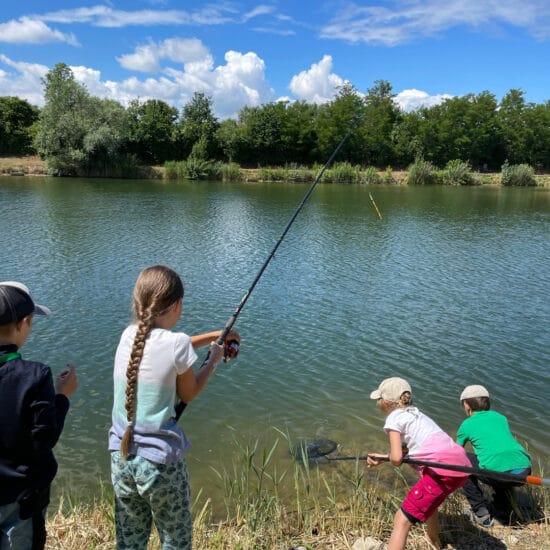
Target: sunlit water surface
(450, 288)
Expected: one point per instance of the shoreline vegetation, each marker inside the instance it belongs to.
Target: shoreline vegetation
(419, 173)
(304, 507)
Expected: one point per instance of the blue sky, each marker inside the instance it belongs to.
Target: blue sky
(249, 53)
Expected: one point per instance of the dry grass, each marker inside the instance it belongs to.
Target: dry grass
(328, 507)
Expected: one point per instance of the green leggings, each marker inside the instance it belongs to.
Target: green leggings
(145, 492)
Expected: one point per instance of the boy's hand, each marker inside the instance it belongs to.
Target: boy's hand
(67, 382)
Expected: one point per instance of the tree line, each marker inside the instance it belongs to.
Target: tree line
(79, 134)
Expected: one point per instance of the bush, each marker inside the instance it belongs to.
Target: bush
(370, 176)
(422, 172)
(231, 172)
(457, 172)
(342, 172)
(517, 174)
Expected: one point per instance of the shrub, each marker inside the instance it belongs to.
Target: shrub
(422, 172)
(342, 172)
(231, 172)
(370, 176)
(517, 174)
(457, 172)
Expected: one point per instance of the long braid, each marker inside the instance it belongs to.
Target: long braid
(157, 288)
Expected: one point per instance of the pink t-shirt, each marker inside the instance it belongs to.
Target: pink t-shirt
(425, 440)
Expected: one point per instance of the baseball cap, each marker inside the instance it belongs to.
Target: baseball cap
(474, 391)
(391, 389)
(16, 302)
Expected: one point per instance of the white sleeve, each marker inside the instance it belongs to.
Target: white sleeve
(184, 353)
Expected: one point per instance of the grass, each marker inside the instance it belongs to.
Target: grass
(338, 173)
(303, 505)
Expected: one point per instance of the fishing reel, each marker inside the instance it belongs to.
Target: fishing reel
(231, 350)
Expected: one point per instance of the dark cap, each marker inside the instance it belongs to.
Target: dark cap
(16, 303)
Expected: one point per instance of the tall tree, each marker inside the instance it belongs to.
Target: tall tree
(198, 123)
(333, 122)
(516, 133)
(17, 117)
(151, 128)
(381, 116)
(78, 134)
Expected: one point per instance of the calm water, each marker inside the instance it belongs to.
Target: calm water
(450, 288)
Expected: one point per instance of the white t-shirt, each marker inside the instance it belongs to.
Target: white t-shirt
(157, 436)
(425, 440)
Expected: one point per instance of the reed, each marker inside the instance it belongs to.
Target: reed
(302, 504)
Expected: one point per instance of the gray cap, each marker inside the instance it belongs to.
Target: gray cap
(16, 302)
(474, 391)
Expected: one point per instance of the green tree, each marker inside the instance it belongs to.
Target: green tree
(381, 114)
(17, 117)
(198, 123)
(516, 134)
(151, 128)
(333, 122)
(79, 134)
(537, 119)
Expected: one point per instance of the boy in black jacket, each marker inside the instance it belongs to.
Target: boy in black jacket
(32, 415)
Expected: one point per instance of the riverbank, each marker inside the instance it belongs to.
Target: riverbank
(307, 506)
(35, 166)
(358, 523)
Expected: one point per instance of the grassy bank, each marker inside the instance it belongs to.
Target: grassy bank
(342, 173)
(328, 506)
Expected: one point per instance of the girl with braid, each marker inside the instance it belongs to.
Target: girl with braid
(152, 370)
(411, 431)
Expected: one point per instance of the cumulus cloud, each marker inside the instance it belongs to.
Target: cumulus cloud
(23, 80)
(318, 84)
(148, 57)
(412, 99)
(406, 21)
(27, 30)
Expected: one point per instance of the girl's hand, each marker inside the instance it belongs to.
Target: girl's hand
(372, 459)
(67, 382)
(216, 352)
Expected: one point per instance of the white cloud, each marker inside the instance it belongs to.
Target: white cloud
(406, 21)
(105, 16)
(318, 84)
(27, 30)
(412, 99)
(23, 81)
(148, 57)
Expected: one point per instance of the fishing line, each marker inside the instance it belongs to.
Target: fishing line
(231, 321)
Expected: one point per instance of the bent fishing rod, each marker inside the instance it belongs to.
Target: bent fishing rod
(231, 321)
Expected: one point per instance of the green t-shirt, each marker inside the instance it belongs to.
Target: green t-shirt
(493, 443)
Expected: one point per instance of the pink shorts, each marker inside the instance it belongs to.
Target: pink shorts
(428, 493)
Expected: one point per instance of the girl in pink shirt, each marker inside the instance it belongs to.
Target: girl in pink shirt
(423, 439)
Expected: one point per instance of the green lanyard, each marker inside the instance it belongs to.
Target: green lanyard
(9, 357)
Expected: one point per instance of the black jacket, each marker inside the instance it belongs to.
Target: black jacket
(31, 420)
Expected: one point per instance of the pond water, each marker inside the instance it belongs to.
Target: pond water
(450, 288)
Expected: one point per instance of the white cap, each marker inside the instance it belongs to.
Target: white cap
(474, 391)
(391, 389)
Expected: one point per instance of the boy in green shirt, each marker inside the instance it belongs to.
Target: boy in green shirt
(495, 448)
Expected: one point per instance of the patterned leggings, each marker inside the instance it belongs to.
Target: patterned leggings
(145, 492)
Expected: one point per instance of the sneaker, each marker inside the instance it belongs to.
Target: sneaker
(484, 521)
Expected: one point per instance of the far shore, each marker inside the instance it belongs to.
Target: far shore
(35, 166)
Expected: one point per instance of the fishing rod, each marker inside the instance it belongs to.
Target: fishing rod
(316, 450)
(233, 345)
